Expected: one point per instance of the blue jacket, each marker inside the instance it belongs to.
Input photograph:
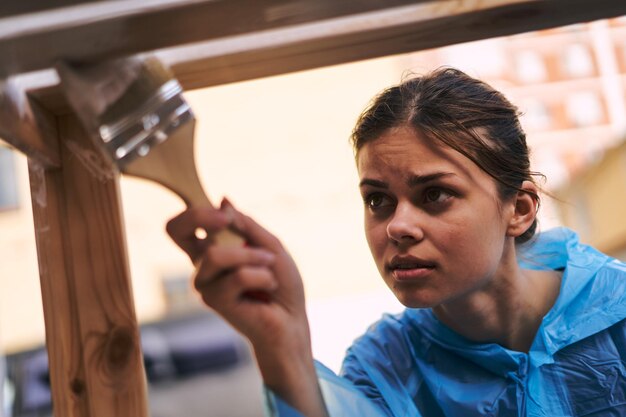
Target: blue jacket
(411, 365)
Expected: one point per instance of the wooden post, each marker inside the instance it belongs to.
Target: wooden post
(92, 335)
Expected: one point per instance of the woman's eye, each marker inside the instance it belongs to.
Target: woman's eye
(376, 200)
(435, 195)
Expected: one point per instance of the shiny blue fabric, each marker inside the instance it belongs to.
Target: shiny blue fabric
(411, 364)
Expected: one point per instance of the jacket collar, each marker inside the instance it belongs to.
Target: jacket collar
(592, 295)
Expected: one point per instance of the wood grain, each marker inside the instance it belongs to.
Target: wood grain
(287, 40)
(98, 31)
(91, 329)
(393, 31)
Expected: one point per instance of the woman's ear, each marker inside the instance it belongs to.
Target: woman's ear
(525, 209)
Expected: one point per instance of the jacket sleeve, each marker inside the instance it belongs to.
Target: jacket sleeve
(342, 399)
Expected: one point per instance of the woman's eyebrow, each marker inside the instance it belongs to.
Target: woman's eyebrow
(373, 183)
(423, 179)
(413, 180)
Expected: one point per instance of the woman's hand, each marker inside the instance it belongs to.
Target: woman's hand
(258, 289)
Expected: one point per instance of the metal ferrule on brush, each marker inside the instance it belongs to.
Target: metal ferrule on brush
(134, 134)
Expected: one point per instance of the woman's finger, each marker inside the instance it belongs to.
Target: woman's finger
(229, 291)
(291, 292)
(219, 260)
(256, 235)
(182, 228)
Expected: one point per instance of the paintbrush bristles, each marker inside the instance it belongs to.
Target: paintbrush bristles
(92, 88)
(150, 77)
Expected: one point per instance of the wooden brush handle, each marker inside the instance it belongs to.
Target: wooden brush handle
(193, 194)
(171, 164)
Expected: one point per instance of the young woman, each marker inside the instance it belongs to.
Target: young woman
(499, 321)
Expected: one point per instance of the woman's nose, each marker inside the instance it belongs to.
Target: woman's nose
(405, 225)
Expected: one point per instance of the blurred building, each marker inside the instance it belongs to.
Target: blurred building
(569, 83)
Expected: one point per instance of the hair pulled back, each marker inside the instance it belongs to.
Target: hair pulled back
(466, 114)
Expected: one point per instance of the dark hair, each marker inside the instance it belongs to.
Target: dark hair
(466, 114)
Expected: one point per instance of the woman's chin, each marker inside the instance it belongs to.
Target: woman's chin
(415, 300)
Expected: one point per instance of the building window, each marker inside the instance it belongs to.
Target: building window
(492, 62)
(584, 109)
(9, 199)
(531, 67)
(536, 116)
(577, 61)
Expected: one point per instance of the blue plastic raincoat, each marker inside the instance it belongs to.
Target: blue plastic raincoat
(411, 365)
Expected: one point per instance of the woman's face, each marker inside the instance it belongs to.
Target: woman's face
(433, 219)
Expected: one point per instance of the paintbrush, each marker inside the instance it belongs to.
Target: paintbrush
(135, 111)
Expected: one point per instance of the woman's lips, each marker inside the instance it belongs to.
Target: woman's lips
(410, 274)
(408, 268)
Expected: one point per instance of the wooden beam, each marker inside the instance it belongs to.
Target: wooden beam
(28, 126)
(242, 41)
(104, 30)
(92, 334)
(420, 26)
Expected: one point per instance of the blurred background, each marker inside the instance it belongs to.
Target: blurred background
(278, 148)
